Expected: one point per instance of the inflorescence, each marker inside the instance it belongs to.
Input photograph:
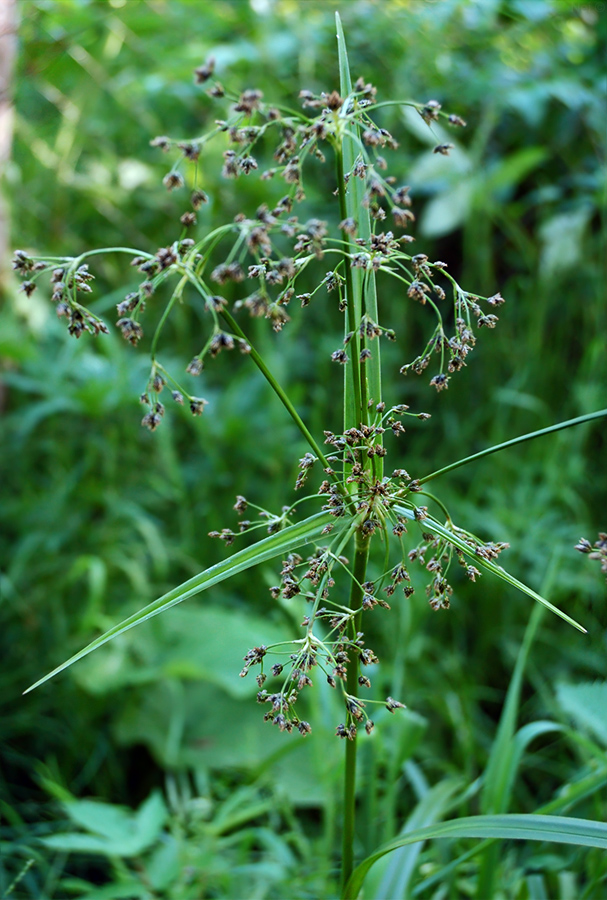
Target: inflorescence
(270, 252)
(272, 249)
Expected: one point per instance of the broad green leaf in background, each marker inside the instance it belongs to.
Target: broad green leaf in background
(192, 644)
(448, 210)
(562, 241)
(506, 174)
(129, 889)
(587, 706)
(113, 831)
(197, 726)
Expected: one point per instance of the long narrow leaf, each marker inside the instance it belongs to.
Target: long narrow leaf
(353, 276)
(434, 526)
(599, 414)
(568, 797)
(364, 290)
(500, 770)
(400, 868)
(284, 541)
(345, 80)
(525, 827)
(506, 750)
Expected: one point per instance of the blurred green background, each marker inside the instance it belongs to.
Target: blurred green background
(99, 517)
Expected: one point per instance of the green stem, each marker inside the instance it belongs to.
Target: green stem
(349, 811)
(103, 250)
(258, 360)
(517, 440)
(354, 373)
(176, 294)
(278, 390)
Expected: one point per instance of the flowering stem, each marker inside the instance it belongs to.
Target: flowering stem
(175, 296)
(102, 250)
(258, 360)
(352, 375)
(349, 808)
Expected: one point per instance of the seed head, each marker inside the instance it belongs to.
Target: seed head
(197, 405)
(204, 72)
(131, 330)
(173, 180)
(195, 367)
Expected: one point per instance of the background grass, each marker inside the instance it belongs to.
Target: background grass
(99, 517)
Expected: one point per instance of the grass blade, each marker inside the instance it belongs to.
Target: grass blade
(599, 414)
(283, 542)
(499, 772)
(436, 527)
(567, 797)
(524, 827)
(397, 874)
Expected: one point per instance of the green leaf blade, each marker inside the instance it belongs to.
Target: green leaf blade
(530, 436)
(492, 567)
(288, 539)
(524, 827)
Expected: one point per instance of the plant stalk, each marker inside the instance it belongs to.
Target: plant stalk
(352, 319)
(349, 803)
(278, 390)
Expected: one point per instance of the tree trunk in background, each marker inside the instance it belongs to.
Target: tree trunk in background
(8, 48)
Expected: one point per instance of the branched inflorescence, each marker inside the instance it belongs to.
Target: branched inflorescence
(598, 551)
(269, 252)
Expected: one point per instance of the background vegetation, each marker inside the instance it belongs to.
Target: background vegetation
(193, 796)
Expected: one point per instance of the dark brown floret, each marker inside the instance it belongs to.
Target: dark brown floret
(163, 142)
(333, 100)
(430, 111)
(197, 405)
(190, 149)
(195, 367)
(131, 330)
(198, 198)
(173, 180)
(249, 101)
(204, 72)
(440, 382)
(340, 356)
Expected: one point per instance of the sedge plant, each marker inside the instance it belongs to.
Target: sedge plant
(369, 518)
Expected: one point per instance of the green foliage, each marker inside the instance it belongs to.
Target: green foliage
(98, 519)
(586, 704)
